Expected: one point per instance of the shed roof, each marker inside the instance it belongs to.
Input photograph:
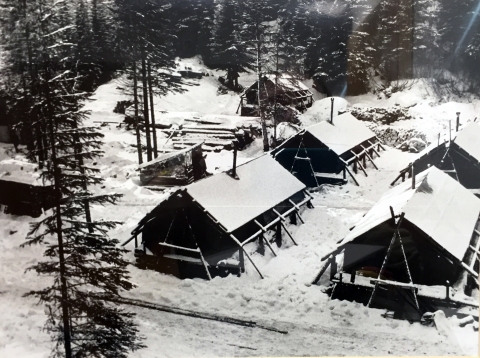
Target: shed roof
(469, 140)
(167, 156)
(439, 206)
(263, 183)
(344, 134)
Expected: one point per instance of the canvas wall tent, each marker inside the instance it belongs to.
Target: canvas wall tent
(174, 169)
(328, 148)
(202, 229)
(289, 91)
(411, 247)
(460, 158)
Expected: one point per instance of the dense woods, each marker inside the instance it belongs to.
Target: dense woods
(56, 52)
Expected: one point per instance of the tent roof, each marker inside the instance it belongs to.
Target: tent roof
(263, 183)
(285, 82)
(469, 138)
(344, 134)
(439, 206)
(167, 156)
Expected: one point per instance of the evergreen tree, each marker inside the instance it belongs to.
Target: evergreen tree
(87, 267)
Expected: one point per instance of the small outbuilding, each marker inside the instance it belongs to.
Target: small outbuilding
(22, 190)
(460, 158)
(324, 150)
(288, 90)
(417, 244)
(175, 169)
(202, 229)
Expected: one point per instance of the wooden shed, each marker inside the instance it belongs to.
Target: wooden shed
(416, 244)
(174, 169)
(324, 150)
(208, 228)
(22, 190)
(289, 91)
(460, 158)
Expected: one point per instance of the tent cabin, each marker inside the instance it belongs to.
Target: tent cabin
(322, 151)
(208, 228)
(289, 91)
(419, 240)
(22, 190)
(174, 169)
(460, 158)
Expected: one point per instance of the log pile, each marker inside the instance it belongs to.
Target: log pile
(215, 137)
(405, 139)
(380, 115)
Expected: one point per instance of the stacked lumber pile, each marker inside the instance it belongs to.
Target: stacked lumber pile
(214, 135)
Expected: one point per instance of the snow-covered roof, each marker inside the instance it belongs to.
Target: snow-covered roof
(288, 82)
(263, 183)
(20, 172)
(439, 206)
(345, 133)
(469, 140)
(167, 156)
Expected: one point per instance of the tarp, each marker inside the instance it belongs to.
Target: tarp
(439, 206)
(261, 185)
(344, 134)
(469, 140)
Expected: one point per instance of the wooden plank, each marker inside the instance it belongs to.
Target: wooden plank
(359, 163)
(177, 247)
(270, 246)
(349, 172)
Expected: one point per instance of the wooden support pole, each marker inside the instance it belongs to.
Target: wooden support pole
(288, 233)
(246, 254)
(136, 241)
(355, 170)
(351, 175)
(204, 264)
(372, 146)
(369, 158)
(278, 234)
(269, 245)
(242, 260)
(322, 271)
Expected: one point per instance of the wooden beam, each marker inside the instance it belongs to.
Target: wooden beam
(177, 247)
(349, 172)
(204, 264)
(369, 158)
(322, 271)
(359, 163)
(246, 254)
(288, 233)
(283, 218)
(270, 246)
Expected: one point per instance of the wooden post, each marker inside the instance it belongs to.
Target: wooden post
(448, 290)
(355, 165)
(458, 120)
(288, 233)
(413, 177)
(136, 241)
(278, 234)
(333, 268)
(293, 217)
(331, 110)
(242, 260)
(344, 174)
(364, 160)
(352, 276)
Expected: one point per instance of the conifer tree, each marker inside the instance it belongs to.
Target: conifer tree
(88, 269)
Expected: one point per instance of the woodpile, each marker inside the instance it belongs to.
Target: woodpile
(380, 115)
(405, 139)
(215, 137)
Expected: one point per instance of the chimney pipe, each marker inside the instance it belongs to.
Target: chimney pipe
(413, 177)
(234, 169)
(450, 129)
(331, 111)
(458, 120)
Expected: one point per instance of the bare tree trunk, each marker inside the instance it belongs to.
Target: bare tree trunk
(135, 103)
(145, 106)
(275, 96)
(266, 146)
(152, 110)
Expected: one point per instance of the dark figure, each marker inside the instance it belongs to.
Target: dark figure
(232, 78)
(15, 140)
(199, 165)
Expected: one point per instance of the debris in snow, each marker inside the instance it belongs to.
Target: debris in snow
(380, 115)
(442, 324)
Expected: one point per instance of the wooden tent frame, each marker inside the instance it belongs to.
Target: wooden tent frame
(279, 222)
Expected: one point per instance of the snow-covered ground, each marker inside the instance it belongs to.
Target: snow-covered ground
(316, 325)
